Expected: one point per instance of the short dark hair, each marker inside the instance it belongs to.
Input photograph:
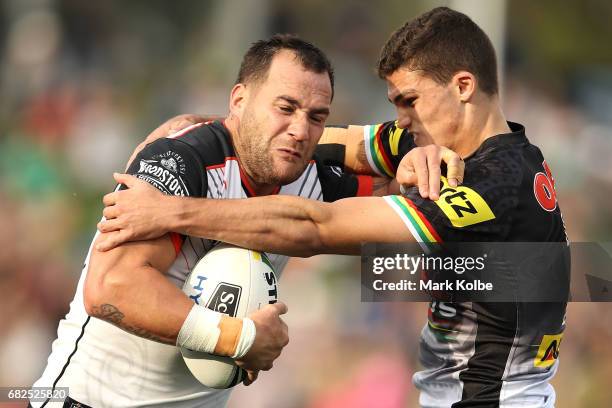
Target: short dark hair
(257, 60)
(441, 42)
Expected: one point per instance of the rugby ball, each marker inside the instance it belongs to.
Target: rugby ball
(234, 281)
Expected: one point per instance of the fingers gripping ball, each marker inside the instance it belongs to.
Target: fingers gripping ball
(236, 282)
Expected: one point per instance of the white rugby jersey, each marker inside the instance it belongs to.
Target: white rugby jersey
(104, 366)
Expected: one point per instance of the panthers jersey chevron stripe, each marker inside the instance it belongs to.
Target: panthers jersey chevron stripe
(416, 222)
(385, 145)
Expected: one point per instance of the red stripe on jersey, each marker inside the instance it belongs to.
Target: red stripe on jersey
(245, 181)
(215, 166)
(177, 241)
(182, 132)
(383, 153)
(365, 186)
(424, 219)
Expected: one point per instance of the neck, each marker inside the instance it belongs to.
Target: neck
(479, 126)
(260, 189)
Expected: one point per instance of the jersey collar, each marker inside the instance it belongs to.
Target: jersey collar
(515, 137)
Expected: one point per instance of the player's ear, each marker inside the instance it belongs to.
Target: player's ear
(238, 98)
(465, 84)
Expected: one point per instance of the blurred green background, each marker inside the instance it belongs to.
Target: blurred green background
(82, 83)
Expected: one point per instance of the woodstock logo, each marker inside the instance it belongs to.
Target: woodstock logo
(170, 164)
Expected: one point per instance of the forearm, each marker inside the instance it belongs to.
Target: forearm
(279, 224)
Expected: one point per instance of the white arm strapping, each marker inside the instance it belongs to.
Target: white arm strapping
(200, 331)
(247, 338)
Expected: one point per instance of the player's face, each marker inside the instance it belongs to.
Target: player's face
(432, 112)
(283, 120)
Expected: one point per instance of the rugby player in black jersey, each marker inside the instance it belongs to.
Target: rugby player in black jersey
(278, 108)
(441, 75)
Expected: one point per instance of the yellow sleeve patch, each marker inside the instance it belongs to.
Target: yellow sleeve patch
(548, 352)
(463, 206)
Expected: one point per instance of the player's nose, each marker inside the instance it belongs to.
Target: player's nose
(298, 129)
(403, 120)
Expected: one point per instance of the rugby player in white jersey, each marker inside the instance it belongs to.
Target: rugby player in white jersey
(440, 70)
(117, 345)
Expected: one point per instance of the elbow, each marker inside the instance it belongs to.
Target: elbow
(100, 288)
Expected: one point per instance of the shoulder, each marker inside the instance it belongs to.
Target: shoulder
(210, 142)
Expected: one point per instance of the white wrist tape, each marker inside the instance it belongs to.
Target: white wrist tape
(200, 331)
(247, 338)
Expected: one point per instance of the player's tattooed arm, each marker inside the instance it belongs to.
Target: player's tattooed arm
(382, 186)
(113, 315)
(127, 287)
(421, 166)
(351, 137)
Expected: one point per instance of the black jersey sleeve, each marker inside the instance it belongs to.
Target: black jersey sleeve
(336, 184)
(171, 166)
(331, 154)
(385, 146)
(467, 213)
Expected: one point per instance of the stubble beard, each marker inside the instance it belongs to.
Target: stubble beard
(255, 155)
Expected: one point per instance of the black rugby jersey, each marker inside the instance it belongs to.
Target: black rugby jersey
(479, 353)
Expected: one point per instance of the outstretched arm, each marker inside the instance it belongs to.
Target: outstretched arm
(280, 224)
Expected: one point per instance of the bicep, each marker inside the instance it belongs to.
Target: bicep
(350, 222)
(158, 253)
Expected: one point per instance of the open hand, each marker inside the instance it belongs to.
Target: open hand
(137, 213)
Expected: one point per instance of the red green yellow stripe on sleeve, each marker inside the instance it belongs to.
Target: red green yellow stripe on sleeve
(375, 152)
(419, 226)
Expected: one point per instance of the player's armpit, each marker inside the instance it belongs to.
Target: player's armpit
(126, 287)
